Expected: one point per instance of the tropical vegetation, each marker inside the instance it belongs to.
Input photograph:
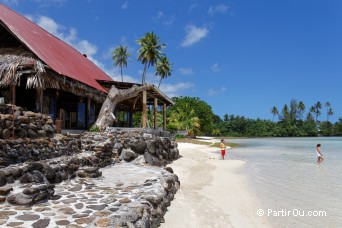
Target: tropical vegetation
(150, 53)
(196, 117)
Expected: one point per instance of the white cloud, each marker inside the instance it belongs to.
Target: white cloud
(67, 35)
(193, 35)
(86, 47)
(215, 67)
(49, 25)
(217, 9)
(186, 71)
(163, 18)
(175, 90)
(212, 92)
(124, 5)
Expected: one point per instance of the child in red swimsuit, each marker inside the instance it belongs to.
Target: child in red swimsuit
(223, 149)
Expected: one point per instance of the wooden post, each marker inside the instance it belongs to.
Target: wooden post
(164, 116)
(155, 109)
(39, 100)
(12, 95)
(143, 116)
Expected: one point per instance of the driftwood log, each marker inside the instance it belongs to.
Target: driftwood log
(106, 116)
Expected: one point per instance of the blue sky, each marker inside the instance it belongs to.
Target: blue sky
(240, 56)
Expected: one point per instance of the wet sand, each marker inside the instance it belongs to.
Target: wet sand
(213, 193)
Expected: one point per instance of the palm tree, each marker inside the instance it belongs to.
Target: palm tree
(120, 57)
(149, 52)
(330, 113)
(301, 108)
(317, 107)
(163, 68)
(285, 112)
(312, 110)
(329, 110)
(274, 111)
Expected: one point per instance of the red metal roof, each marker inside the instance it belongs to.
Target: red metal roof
(55, 53)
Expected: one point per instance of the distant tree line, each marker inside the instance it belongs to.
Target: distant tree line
(195, 116)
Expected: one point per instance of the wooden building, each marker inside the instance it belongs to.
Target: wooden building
(41, 73)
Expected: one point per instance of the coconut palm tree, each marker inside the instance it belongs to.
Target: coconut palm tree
(317, 107)
(301, 109)
(285, 112)
(330, 113)
(163, 68)
(329, 110)
(149, 52)
(275, 112)
(120, 57)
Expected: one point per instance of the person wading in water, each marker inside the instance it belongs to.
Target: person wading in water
(320, 158)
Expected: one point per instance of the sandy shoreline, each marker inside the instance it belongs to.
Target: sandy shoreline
(213, 193)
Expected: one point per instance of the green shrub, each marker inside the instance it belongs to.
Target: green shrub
(94, 128)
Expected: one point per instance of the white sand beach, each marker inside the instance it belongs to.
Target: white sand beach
(213, 193)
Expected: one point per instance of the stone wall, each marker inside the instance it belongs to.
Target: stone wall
(23, 150)
(26, 124)
(31, 168)
(153, 147)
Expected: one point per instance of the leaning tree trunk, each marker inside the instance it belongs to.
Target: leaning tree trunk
(106, 116)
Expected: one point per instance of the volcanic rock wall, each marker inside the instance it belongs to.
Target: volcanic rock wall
(32, 165)
(26, 124)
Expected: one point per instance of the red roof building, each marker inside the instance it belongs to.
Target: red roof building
(58, 55)
(42, 73)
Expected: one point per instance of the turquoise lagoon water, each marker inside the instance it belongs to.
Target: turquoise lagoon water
(293, 190)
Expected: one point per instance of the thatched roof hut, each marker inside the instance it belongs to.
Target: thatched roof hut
(17, 64)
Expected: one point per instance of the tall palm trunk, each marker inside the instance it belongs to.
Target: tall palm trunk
(144, 74)
(121, 75)
(160, 81)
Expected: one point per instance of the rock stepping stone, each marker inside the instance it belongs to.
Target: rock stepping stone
(97, 196)
(80, 215)
(85, 220)
(79, 205)
(62, 222)
(97, 207)
(28, 217)
(125, 200)
(103, 222)
(5, 190)
(76, 188)
(71, 196)
(69, 201)
(67, 210)
(6, 213)
(14, 224)
(41, 223)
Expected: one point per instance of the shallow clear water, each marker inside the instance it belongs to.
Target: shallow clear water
(288, 182)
